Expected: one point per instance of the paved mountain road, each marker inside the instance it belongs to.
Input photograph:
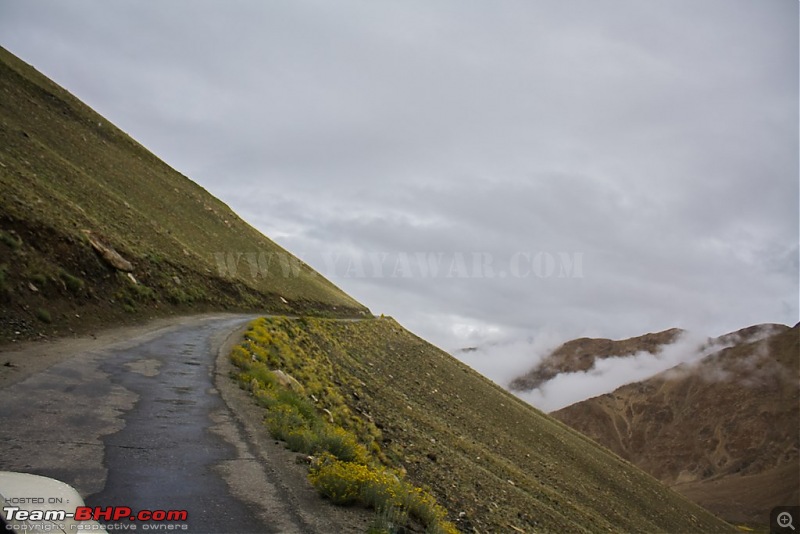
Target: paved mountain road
(154, 423)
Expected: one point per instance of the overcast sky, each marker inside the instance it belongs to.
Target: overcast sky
(602, 167)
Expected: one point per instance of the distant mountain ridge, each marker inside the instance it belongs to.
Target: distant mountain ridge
(581, 354)
(723, 431)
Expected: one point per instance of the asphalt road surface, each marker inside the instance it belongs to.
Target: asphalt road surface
(142, 424)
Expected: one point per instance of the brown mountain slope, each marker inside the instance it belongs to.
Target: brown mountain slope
(724, 431)
(580, 355)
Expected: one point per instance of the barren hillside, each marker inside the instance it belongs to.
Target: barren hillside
(722, 432)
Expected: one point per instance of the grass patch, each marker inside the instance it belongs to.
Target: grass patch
(5, 289)
(310, 414)
(178, 296)
(12, 241)
(388, 520)
(44, 315)
(72, 283)
(130, 294)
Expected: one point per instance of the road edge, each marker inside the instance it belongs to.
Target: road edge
(317, 515)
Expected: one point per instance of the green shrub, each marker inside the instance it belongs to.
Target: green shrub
(265, 397)
(283, 419)
(177, 296)
(301, 440)
(240, 357)
(132, 293)
(154, 257)
(422, 506)
(142, 293)
(72, 283)
(12, 241)
(388, 520)
(184, 295)
(302, 405)
(44, 316)
(260, 372)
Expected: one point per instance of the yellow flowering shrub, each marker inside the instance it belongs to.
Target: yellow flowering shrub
(318, 421)
(343, 445)
(341, 482)
(379, 488)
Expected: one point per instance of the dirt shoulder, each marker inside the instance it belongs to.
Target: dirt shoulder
(281, 465)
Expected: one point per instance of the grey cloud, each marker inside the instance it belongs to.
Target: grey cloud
(657, 139)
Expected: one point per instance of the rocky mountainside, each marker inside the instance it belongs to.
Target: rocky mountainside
(723, 431)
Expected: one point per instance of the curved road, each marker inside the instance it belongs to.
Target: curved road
(143, 424)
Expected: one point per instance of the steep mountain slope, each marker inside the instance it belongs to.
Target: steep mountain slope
(481, 451)
(580, 355)
(73, 184)
(723, 431)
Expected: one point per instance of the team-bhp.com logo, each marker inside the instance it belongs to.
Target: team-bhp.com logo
(114, 514)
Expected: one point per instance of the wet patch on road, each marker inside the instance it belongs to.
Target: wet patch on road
(148, 367)
(52, 423)
(166, 457)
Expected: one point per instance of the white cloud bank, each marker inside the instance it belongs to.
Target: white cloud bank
(504, 361)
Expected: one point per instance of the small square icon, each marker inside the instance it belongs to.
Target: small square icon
(784, 520)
